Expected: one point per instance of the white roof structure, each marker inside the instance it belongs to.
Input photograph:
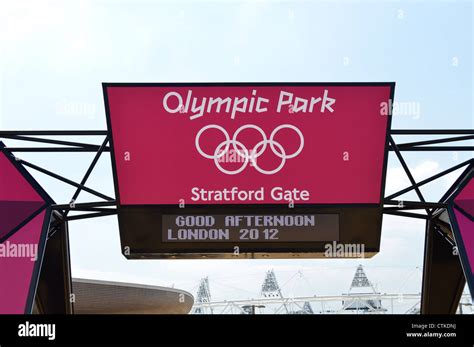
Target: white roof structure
(361, 285)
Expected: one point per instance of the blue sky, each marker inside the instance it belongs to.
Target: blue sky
(55, 54)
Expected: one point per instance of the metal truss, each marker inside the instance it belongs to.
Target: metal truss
(403, 208)
(107, 206)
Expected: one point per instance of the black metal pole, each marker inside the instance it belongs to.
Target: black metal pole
(54, 132)
(406, 214)
(55, 149)
(91, 215)
(51, 141)
(432, 132)
(407, 170)
(65, 180)
(429, 179)
(89, 170)
(431, 142)
(85, 205)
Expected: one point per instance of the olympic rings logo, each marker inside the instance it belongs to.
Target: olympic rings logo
(252, 155)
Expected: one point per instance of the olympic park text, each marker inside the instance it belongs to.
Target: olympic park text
(174, 102)
(234, 194)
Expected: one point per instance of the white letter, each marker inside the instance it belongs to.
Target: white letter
(260, 109)
(21, 330)
(165, 102)
(328, 251)
(286, 102)
(327, 102)
(52, 332)
(170, 235)
(195, 193)
(236, 107)
(199, 109)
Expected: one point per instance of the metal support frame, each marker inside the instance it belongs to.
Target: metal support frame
(89, 171)
(109, 207)
(93, 209)
(429, 207)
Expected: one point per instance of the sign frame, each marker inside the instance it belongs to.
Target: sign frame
(246, 250)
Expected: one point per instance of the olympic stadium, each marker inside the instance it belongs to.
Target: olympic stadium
(361, 297)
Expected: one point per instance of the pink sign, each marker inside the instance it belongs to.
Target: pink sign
(18, 199)
(464, 214)
(249, 143)
(17, 265)
(24, 218)
(466, 229)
